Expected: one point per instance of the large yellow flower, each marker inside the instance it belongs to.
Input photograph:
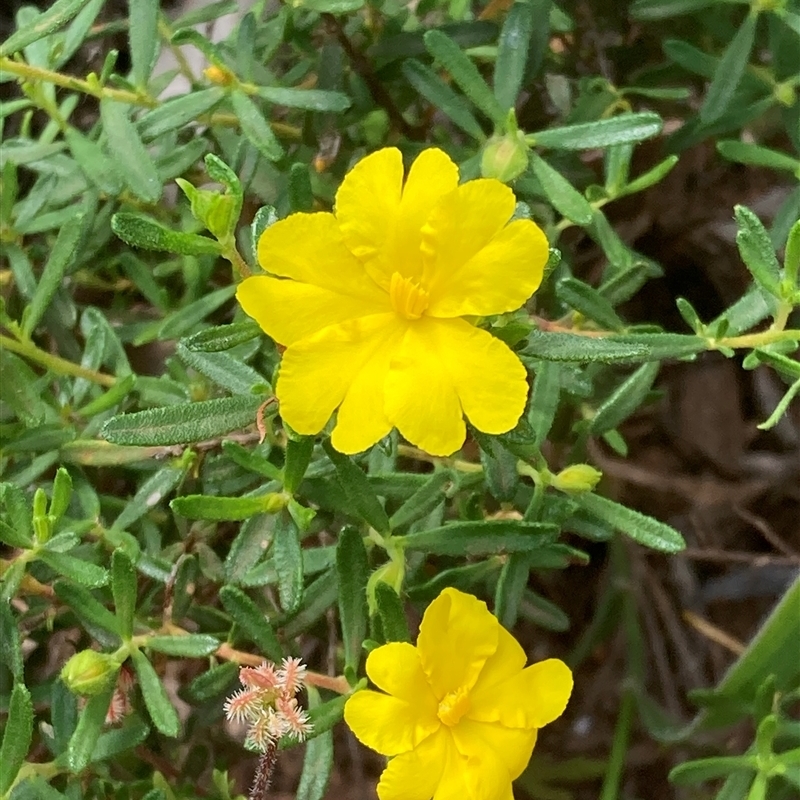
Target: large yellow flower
(461, 712)
(370, 301)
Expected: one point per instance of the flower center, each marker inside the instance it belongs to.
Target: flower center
(409, 300)
(453, 706)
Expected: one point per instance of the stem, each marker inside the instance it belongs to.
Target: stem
(263, 776)
(55, 363)
(237, 262)
(616, 760)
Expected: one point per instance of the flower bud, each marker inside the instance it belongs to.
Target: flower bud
(577, 478)
(505, 156)
(218, 75)
(89, 672)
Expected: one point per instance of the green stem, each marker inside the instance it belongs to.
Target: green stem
(619, 748)
(755, 339)
(55, 363)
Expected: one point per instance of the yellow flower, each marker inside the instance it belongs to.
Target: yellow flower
(461, 712)
(370, 301)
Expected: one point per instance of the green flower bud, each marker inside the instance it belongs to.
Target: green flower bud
(577, 478)
(89, 672)
(505, 156)
(392, 572)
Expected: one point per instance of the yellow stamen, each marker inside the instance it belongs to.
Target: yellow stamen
(409, 300)
(454, 706)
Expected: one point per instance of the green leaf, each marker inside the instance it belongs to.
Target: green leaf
(362, 499)
(10, 643)
(649, 178)
(19, 388)
(221, 509)
(756, 155)
(486, 537)
(423, 501)
(62, 494)
(663, 9)
(253, 622)
(318, 760)
(624, 400)
(588, 301)
(352, 569)
(94, 163)
(465, 74)
(499, 468)
(544, 399)
(288, 558)
(391, 613)
(61, 259)
(331, 6)
(90, 725)
(195, 422)
(781, 408)
(625, 128)
(708, 769)
(133, 162)
(161, 711)
(226, 371)
(94, 616)
(177, 112)
(221, 337)
(442, 97)
(544, 346)
(83, 572)
(643, 529)
(142, 231)
(791, 260)
(510, 587)
(150, 493)
(113, 742)
(512, 53)
(755, 248)
(13, 537)
(255, 127)
(729, 71)
(143, 38)
(560, 192)
(194, 645)
(16, 737)
(212, 683)
(123, 587)
(56, 16)
(298, 455)
(309, 99)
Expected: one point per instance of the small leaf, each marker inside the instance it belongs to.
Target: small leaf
(729, 71)
(123, 587)
(423, 501)
(442, 97)
(161, 710)
(352, 568)
(499, 467)
(150, 493)
(143, 38)
(625, 399)
(92, 614)
(194, 645)
(288, 559)
(639, 527)
(16, 737)
(83, 572)
(588, 301)
(134, 163)
(142, 231)
(755, 248)
(253, 622)
(90, 725)
(10, 643)
(756, 155)
(55, 17)
(571, 347)
(625, 128)
(564, 197)
(358, 491)
(464, 73)
(212, 683)
(195, 422)
(310, 99)
(298, 456)
(255, 127)
(221, 509)
(481, 538)
(544, 399)
(391, 613)
(318, 760)
(512, 53)
(177, 112)
(221, 337)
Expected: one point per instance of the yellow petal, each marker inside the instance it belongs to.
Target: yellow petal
(367, 207)
(416, 775)
(386, 724)
(316, 373)
(513, 746)
(421, 399)
(441, 358)
(500, 277)
(309, 248)
(456, 637)
(530, 699)
(485, 773)
(508, 660)
(396, 668)
(431, 177)
(289, 311)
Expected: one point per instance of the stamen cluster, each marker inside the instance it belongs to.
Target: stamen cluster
(267, 703)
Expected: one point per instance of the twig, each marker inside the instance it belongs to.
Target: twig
(263, 776)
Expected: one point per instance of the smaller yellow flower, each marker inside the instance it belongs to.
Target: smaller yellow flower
(461, 710)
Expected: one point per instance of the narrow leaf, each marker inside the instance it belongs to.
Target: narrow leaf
(161, 710)
(195, 645)
(143, 38)
(16, 737)
(625, 399)
(255, 127)
(625, 128)
(253, 622)
(560, 192)
(352, 568)
(481, 538)
(123, 587)
(58, 15)
(142, 231)
(512, 53)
